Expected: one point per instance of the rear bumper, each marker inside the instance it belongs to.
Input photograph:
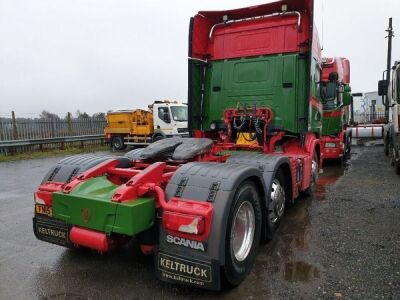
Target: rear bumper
(331, 152)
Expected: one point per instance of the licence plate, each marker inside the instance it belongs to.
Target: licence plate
(44, 210)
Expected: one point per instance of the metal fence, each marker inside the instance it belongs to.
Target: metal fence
(41, 128)
(31, 134)
(374, 118)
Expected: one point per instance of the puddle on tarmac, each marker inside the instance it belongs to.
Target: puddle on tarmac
(333, 171)
(289, 255)
(300, 271)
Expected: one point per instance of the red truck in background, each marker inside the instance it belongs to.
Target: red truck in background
(336, 99)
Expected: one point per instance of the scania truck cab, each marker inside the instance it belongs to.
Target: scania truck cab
(336, 99)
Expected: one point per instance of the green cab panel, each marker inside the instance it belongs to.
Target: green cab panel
(331, 125)
(89, 205)
(268, 81)
(275, 81)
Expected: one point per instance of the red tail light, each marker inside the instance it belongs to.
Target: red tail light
(187, 218)
(44, 193)
(183, 223)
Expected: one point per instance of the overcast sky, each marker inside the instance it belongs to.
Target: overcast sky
(97, 55)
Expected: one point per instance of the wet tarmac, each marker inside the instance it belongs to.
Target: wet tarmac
(294, 265)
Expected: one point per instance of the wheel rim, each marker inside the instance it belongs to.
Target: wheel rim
(117, 145)
(277, 204)
(242, 233)
(314, 172)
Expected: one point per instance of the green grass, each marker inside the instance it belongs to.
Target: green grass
(53, 152)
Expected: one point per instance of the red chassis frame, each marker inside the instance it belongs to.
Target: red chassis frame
(151, 179)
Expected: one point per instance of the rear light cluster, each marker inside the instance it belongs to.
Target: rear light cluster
(183, 223)
(44, 194)
(189, 219)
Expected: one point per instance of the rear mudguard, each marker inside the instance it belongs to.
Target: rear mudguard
(72, 166)
(215, 183)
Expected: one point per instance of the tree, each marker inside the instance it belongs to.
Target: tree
(48, 115)
(81, 115)
(99, 115)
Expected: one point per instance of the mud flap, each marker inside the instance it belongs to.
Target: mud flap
(189, 261)
(52, 231)
(173, 268)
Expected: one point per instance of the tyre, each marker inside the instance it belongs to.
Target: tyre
(386, 145)
(314, 175)
(396, 160)
(157, 137)
(276, 205)
(117, 143)
(397, 166)
(243, 234)
(347, 145)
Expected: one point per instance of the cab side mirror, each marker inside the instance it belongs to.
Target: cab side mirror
(382, 87)
(347, 95)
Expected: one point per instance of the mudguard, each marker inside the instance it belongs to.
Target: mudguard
(215, 183)
(268, 164)
(69, 167)
(134, 154)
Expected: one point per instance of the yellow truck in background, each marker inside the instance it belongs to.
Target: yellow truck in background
(163, 119)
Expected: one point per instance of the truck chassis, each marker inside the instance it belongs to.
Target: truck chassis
(202, 211)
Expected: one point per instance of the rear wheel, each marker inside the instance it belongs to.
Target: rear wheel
(386, 145)
(314, 175)
(276, 205)
(397, 166)
(243, 234)
(118, 143)
(396, 160)
(347, 145)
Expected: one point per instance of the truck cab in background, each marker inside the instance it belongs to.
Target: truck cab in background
(391, 129)
(140, 127)
(169, 119)
(336, 99)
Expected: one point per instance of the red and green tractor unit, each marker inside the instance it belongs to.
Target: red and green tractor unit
(336, 99)
(203, 205)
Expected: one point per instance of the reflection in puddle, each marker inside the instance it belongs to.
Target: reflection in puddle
(300, 271)
(285, 257)
(332, 172)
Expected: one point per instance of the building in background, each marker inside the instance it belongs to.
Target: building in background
(369, 108)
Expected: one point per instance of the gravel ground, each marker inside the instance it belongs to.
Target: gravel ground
(343, 242)
(357, 230)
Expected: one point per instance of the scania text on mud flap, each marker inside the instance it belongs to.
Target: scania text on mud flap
(204, 204)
